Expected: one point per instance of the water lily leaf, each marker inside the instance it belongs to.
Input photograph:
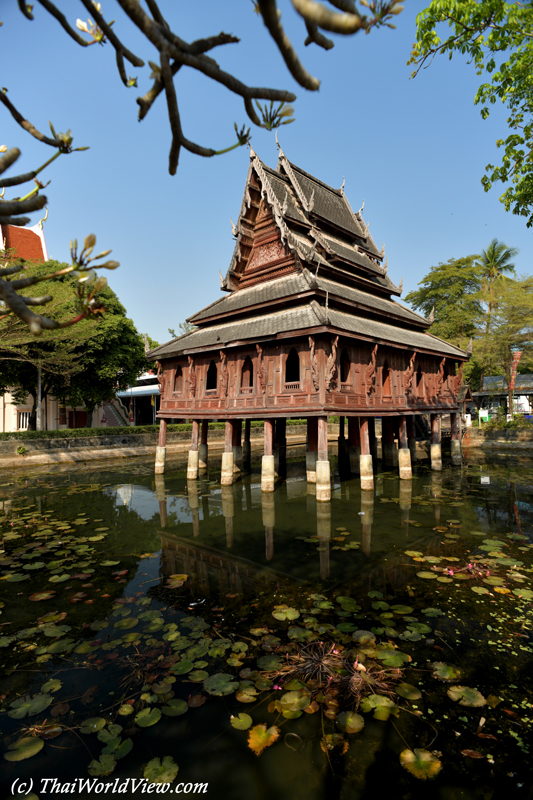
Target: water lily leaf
(92, 725)
(428, 576)
(375, 593)
(408, 691)
(246, 694)
(196, 701)
(109, 563)
(59, 579)
(56, 630)
(99, 625)
(107, 734)
(420, 763)
(24, 748)
(36, 596)
(466, 696)
(382, 707)
(350, 722)
(414, 553)
(17, 577)
(363, 637)
(220, 684)
(161, 771)
(527, 594)
(261, 737)
(123, 749)
(402, 609)
(444, 579)
(284, 612)
(182, 667)
(5, 641)
(198, 675)
(126, 623)
(269, 662)
(241, 722)
(148, 717)
(380, 605)
(480, 590)
(295, 701)
(493, 580)
(28, 706)
(60, 646)
(445, 672)
(175, 708)
(299, 634)
(125, 710)
(332, 740)
(52, 685)
(103, 766)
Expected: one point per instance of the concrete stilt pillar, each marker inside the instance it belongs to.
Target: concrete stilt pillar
(267, 463)
(322, 444)
(311, 455)
(192, 465)
(404, 454)
(226, 477)
(323, 481)
(435, 448)
(367, 518)
(246, 446)
(202, 447)
(411, 438)
(355, 443)
(160, 450)
(366, 467)
(457, 456)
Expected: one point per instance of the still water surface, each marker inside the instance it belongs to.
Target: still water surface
(90, 605)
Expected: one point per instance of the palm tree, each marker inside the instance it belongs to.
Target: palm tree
(494, 262)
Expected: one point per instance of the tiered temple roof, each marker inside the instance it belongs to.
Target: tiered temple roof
(304, 262)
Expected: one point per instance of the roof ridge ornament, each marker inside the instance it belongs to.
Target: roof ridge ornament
(382, 253)
(470, 345)
(307, 205)
(234, 230)
(431, 317)
(400, 285)
(341, 190)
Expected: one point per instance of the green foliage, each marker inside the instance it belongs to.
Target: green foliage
(451, 288)
(483, 30)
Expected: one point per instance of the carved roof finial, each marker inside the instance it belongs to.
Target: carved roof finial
(277, 143)
(285, 205)
(400, 285)
(343, 183)
(146, 345)
(431, 317)
(470, 345)
(311, 203)
(361, 209)
(221, 279)
(252, 152)
(233, 227)
(382, 254)
(385, 266)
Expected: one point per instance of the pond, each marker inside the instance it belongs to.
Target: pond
(242, 645)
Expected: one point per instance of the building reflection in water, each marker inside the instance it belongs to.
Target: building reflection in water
(367, 518)
(268, 508)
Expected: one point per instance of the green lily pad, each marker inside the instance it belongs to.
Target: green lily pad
(92, 725)
(466, 696)
(295, 701)
(350, 722)
(241, 722)
(102, 766)
(363, 637)
(123, 749)
(381, 706)
(23, 748)
(445, 672)
(52, 685)
(284, 612)
(480, 590)
(220, 684)
(126, 623)
(402, 609)
(161, 771)
(147, 717)
(526, 594)
(59, 578)
(175, 708)
(28, 705)
(408, 691)
(420, 763)
(261, 737)
(428, 576)
(125, 710)
(269, 663)
(182, 667)
(246, 694)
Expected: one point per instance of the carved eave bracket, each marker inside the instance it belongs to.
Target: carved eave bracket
(370, 372)
(331, 366)
(315, 373)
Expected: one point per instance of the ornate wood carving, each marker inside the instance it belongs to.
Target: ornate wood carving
(161, 378)
(260, 368)
(192, 376)
(315, 375)
(440, 377)
(223, 374)
(331, 366)
(409, 374)
(458, 380)
(370, 372)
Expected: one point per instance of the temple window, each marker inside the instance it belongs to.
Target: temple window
(385, 379)
(345, 366)
(178, 381)
(247, 376)
(212, 378)
(292, 370)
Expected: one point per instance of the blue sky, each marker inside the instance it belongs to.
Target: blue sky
(414, 150)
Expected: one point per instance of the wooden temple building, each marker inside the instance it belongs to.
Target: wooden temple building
(309, 327)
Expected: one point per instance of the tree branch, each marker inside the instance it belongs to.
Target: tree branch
(269, 12)
(317, 14)
(25, 10)
(24, 123)
(9, 158)
(35, 203)
(55, 12)
(113, 39)
(317, 37)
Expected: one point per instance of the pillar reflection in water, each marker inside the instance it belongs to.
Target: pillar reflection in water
(367, 518)
(161, 498)
(194, 502)
(323, 530)
(228, 511)
(406, 499)
(436, 491)
(269, 520)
